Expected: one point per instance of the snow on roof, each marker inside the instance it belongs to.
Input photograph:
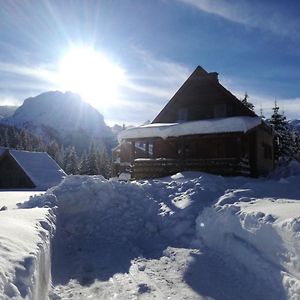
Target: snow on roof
(40, 167)
(165, 130)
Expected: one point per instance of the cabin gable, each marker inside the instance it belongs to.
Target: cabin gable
(201, 97)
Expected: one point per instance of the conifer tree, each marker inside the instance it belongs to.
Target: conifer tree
(6, 138)
(23, 142)
(104, 163)
(53, 151)
(84, 165)
(295, 145)
(285, 143)
(92, 161)
(61, 156)
(247, 103)
(14, 139)
(70, 162)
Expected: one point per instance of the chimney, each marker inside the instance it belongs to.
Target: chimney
(213, 76)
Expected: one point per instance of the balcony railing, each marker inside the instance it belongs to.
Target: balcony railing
(160, 167)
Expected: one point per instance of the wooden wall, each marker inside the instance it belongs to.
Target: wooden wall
(207, 146)
(255, 147)
(12, 175)
(264, 151)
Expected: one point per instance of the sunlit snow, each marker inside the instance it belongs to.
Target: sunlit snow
(187, 236)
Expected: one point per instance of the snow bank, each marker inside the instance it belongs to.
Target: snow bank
(252, 224)
(262, 234)
(10, 199)
(25, 253)
(289, 169)
(169, 204)
(95, 205)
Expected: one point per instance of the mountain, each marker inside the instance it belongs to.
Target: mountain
(63, 117)
(296, 124)
(7, 111)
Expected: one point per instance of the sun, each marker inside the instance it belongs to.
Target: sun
(90, 74)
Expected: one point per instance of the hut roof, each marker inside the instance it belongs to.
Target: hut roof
(39, 166)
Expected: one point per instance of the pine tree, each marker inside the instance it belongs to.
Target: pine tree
(70, 162)
(23, 143)
(73, 161)
(261, 113)
(295, 145)
(84, 165)
(6, 138)
(247, 103)
(14, 139)
(92, 161)
(61, 156)
(53, 151)
(285, 147)
(104, 163)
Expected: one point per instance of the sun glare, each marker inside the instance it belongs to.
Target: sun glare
(90, 74)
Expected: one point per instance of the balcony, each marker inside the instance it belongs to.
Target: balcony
(160, 167)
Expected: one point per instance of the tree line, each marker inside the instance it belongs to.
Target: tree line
(286, 137)
(93, 161)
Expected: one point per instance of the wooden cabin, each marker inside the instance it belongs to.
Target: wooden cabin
(28, 170)
(202, 128)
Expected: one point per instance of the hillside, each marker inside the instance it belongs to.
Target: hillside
(296, 124)
(63, 117)
(7, 111)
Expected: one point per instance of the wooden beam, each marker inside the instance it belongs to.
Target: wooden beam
(132, 151)
(147, 149)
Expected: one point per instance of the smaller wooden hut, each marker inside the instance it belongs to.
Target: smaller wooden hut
(28, 170)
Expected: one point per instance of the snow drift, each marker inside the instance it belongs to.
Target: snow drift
(25, 253)
(228, 238)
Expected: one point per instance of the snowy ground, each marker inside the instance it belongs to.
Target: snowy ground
(10, 199)
(188, 236)
(24, 248)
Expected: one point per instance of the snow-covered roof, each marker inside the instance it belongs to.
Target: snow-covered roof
(209, 126)
(40, 167)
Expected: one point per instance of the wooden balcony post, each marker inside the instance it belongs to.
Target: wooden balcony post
(132, 152)
(147, 149)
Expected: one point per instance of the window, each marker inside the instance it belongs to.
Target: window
(182, 114)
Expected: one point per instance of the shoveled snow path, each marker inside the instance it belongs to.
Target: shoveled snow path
(179, 273)
(106, 276)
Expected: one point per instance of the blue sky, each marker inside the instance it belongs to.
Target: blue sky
(253, 45)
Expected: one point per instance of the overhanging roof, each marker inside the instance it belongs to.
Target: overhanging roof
(209, 126)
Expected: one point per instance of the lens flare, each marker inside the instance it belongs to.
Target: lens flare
(90, 74)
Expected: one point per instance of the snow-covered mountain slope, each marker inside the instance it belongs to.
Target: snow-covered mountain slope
(7, 111)
(296, 124)
(61, 115)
